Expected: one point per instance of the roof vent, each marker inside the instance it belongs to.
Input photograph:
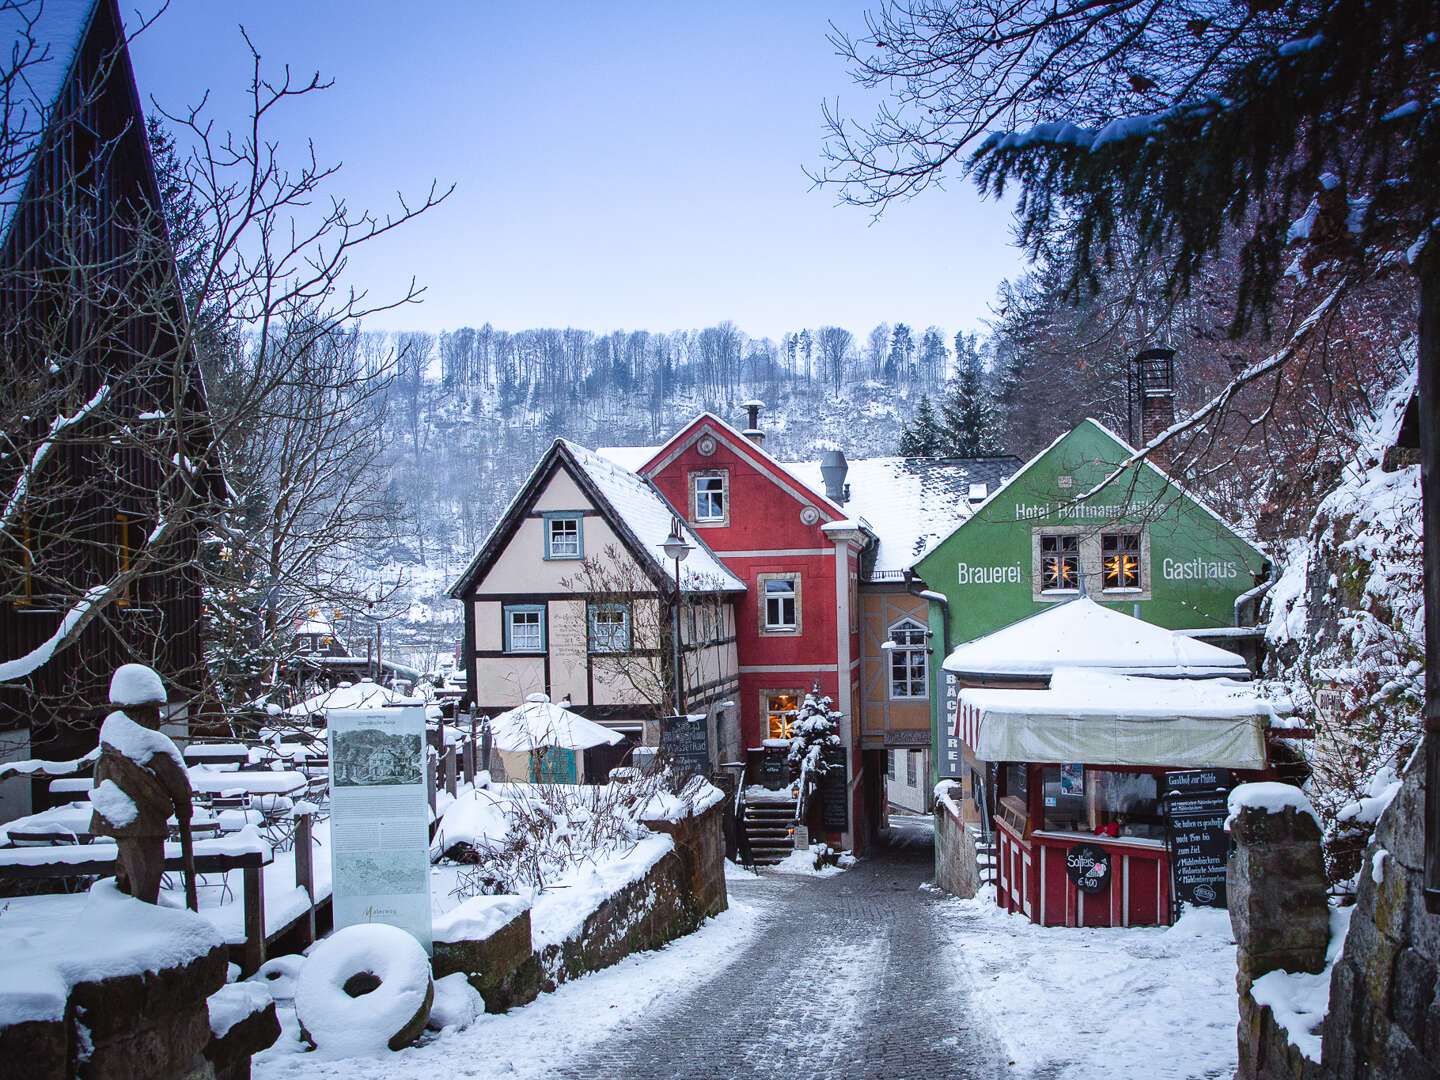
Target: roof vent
(833, 468)
(752, 423)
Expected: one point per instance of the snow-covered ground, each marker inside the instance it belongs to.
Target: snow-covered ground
(1095, 1004)
(535, 1040)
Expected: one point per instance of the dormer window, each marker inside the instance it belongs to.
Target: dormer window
(563, 538)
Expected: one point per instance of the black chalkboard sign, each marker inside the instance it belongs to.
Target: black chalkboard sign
(834, 796)
(1195, 815)
(1208, 780)
(687, 741)
(1088, 866)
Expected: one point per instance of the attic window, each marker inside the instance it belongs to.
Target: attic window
(563, 537)
(710, 497)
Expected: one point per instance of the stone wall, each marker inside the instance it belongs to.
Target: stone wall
(1384, 1016)
(956, 848)
(1384, 1019)
(685, 887)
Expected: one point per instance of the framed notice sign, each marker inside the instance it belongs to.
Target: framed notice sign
(380, 819)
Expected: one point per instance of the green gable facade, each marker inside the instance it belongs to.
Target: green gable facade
(1142, 545)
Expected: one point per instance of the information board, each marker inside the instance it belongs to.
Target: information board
(1195, 812)
(380, 819)
(687, 740)
(834, 801)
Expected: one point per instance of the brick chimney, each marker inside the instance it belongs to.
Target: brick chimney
(752, 424)
(1153, 391)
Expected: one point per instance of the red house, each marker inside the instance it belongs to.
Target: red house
(798, 552)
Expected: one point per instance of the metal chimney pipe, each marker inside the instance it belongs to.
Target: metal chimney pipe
(752, 424)
(833, 468)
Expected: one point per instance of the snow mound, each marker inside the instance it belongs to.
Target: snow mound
(478, 917)
(345, 1024)
(136, 684)
(803, 862)
(233, 1003)
(457, 1003)
(1270, 797)
(113, 804)
(278, 975)
(136, 742)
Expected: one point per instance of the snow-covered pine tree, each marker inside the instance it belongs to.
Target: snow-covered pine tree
(967, 416)
(923, 438)
(815, 728)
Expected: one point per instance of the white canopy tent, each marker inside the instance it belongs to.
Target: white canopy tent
(1080, 633)
(1100, 718)
(539, 722)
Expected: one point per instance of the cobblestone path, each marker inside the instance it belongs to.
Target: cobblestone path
(848, 978)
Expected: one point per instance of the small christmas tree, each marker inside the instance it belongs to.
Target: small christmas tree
(816, 727)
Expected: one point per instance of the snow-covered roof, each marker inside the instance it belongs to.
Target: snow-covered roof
(910, 504)
(540, 722)
(42, 38)
(361, 695)
(649, 516)
(1101, 718)
(1082, 633)
(628, 457)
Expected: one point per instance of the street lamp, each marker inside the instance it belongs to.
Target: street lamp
(676, 548)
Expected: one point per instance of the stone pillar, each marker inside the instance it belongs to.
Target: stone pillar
(1277, 891)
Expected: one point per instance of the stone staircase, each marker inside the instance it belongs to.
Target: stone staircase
(769, 826)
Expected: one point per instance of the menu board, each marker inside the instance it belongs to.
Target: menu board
(1195, 810)
(687, 740)
(380, 819)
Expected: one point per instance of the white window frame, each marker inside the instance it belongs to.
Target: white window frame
(912, 645)
(779, 626)
(710, 518)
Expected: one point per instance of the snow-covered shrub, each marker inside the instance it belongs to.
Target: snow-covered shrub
(518, 838)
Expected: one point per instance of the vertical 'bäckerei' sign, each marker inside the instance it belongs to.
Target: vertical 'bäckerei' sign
(380, 819)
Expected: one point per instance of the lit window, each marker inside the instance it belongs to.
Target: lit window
(708, 491)
(562, 536)
(780, 710)
(525, 629)
(909, 660)
(1120, 560)
(609, 628)
(780, 604)
(1059, 563)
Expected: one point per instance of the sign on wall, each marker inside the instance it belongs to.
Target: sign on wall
(1195, 811)
(380, 819)
(687, 740)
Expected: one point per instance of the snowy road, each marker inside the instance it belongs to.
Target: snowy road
(803, 978)
(842, 979)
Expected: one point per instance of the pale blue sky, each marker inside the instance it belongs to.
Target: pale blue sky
(618, 166)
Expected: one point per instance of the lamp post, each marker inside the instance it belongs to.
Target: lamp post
(676, 548)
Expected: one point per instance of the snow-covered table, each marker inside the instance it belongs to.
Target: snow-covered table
(259, 782)
(247, 853)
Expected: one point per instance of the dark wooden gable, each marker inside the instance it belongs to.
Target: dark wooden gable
(90, 308)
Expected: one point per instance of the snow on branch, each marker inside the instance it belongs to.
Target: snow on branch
(33, 766)
(43, 451)
(37, 657)
(1216, 405)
